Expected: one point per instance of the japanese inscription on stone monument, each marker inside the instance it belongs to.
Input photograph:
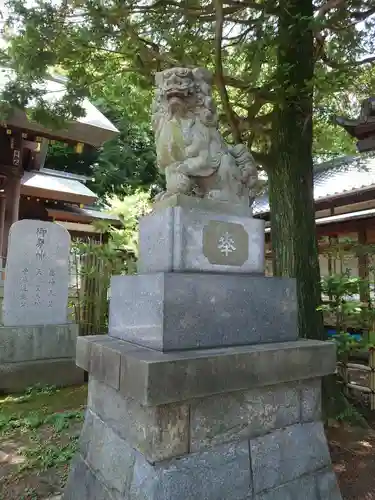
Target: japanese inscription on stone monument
(37, 274)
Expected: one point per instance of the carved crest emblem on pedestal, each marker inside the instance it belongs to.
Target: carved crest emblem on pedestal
(225, 243)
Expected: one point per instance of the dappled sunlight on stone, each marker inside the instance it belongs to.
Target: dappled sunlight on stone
(340, 468)
(11, 454)
(366, 444)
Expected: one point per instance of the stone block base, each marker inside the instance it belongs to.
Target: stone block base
(191, 234)
(224, 479)
(155, 378)
(175, 311)
(221, 424)
(31, 343)
(16, 377)
(44, 355)
(205, 484)
(259, 450)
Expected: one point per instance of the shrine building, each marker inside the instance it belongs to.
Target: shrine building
(30, 191)
(344, 195)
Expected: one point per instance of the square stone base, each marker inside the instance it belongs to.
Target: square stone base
(221, 424)
(16, 377)
(190, 234)
(155, 378)
(275, 467)
(32, 343)
(44, 355)
(175, 311)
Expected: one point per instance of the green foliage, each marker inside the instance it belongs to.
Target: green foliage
(340, 287)
(32, 421)
(47, 455)
(123, 164)
(63, 157)
(37, 389)
(31, 392)
(346, 344)
(35, 419)
(341, 290)
(127, 162)
(62, 420)
(25, 421)
(95, 263)
(42, 424)
(129, 209)
(123, 43)
(268, 64)
(29, 494)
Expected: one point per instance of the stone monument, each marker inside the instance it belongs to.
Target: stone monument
(37, 343)
(37, 274)
(202, 389)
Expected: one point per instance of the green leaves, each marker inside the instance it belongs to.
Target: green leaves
(129, 209)
(127, 162)
(111, 50)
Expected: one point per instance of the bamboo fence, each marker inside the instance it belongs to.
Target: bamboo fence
(345, 369)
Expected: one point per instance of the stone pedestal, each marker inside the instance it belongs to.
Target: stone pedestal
(235, 423)
(202, 390)
(32, 355)
(188, 234)
(173, 311)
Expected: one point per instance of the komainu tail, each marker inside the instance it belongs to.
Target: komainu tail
(246, 164)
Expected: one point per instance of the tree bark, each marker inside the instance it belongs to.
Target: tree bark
(293, 232)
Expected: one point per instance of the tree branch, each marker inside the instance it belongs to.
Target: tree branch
(260, 124)
(361, 16)
(341, 66)
(220, 73)
(264, 92)
(230, 5)
(326, 7)
(367, 60)
(262, 159)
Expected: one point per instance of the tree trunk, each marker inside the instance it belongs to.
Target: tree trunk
(293, 230)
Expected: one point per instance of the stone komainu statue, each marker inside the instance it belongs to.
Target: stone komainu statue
(190, 149)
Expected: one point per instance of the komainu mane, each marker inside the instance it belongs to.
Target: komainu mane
(190, 149)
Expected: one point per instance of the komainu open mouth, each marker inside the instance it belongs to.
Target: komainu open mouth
(178, 93)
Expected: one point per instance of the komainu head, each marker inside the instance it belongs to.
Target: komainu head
(184, 92)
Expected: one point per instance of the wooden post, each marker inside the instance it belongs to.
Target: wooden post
(345, 377)
(2, 224)
(330, 242)
(3, 205)
(372, 378)
(329, 258)
(363, 266)
(16, 145)
(16, 198)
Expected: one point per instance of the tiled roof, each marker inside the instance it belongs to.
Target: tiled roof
(92, 213)
(65, 175)
(92, 128)
(322, 221)
(98, 214)
(54, 180)
(335, 178)
(57, 184)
